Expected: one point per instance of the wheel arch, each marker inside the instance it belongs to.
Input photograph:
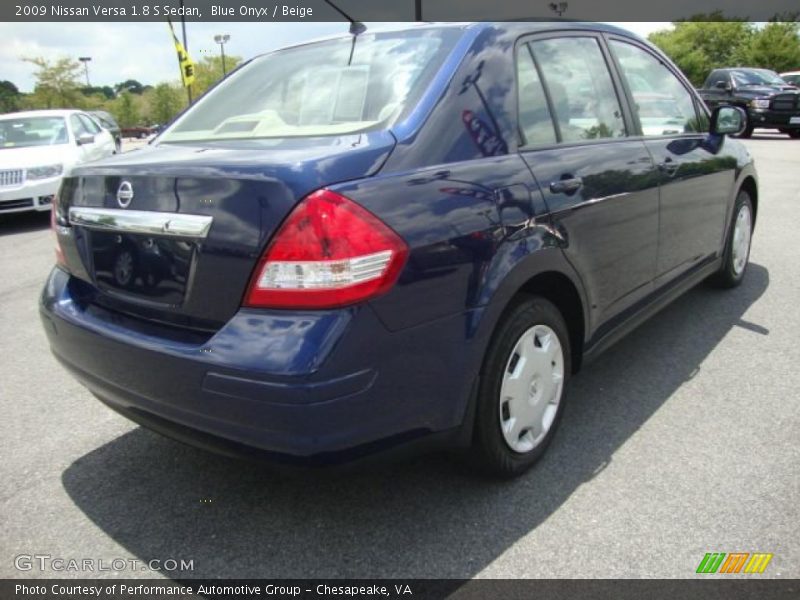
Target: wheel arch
(749, 185)
(561, 286)
(559, 289)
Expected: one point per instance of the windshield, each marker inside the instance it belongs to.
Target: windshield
(757, 77)
(318, 90)
(23, 132)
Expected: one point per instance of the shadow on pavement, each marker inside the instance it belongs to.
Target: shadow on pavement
(23, 222)
(423, 518)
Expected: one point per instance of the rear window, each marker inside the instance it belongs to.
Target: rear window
(319, 89)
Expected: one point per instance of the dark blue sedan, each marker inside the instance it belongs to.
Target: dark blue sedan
(396, 239)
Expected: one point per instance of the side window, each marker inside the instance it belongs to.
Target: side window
(78, 128)
(90, 125)
(665, 107)
(535, 122)
(581, 90)
(717, 77)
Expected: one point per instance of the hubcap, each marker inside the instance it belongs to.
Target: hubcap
(742, 231)
(531, 389)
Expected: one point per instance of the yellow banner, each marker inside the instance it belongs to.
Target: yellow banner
(185, 63)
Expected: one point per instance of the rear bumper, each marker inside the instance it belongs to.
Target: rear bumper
(324, 385)
(773, 119)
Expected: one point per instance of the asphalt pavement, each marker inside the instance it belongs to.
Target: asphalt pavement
(682, 439)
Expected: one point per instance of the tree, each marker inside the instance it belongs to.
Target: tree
(704, 43)
(209, 70)
(125, 110)
(107, 91)
(165, 102)
(57, 83)
(9, 97)
(129, 85)
(776, 47)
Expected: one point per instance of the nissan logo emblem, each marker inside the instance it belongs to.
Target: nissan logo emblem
(124, 194)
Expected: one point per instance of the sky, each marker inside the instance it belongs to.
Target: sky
(144, 51)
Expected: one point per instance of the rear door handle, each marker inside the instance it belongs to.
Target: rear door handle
(568, 185)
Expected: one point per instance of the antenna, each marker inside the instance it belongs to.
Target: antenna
(356, 27)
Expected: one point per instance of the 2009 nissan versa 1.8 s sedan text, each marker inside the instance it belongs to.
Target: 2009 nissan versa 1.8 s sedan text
(400, 237)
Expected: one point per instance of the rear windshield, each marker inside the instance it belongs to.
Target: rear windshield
(318, 89)
(32, 131)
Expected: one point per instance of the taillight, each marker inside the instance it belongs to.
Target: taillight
(56, 224)
(329, 252)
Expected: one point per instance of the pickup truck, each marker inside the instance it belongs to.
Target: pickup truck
(770, 102)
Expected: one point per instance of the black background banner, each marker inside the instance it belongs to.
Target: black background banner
(426, 589)
(394, 10)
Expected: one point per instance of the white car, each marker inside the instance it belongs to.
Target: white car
(37, 148)
(792, 77)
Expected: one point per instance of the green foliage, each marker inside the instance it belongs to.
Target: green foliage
(706, 42)
(698, 46)
(9, 97)
(106, 91)
(776, 47)
(209, 70)
(165, 101)
(129, 85)
(57, 83)
(125, 109)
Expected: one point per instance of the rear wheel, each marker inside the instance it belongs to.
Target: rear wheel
(520, 399)
(737, 249)
(794, 134)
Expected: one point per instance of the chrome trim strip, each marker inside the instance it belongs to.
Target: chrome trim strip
(141, 221)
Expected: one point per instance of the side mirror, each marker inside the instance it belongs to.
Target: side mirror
(728, 120)
(723, 85)
(85, 138)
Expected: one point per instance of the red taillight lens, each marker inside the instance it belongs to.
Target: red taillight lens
(329, 252)
(55, 225)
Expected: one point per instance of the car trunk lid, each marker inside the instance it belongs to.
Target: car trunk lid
(172, 233)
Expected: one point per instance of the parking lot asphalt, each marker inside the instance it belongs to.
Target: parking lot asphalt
(682, 439)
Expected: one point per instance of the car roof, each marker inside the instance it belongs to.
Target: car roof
(40, 113)
(520, 26)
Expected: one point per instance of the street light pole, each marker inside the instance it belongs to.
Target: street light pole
(222, 39)
(85, 60)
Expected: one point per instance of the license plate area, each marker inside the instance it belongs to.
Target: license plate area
(154, 269)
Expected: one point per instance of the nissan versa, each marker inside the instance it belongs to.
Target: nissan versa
(394, 238)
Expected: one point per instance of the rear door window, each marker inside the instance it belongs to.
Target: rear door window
(581, 90)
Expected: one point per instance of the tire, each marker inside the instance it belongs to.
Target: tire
(794, 134)
(748, 128)
(530, 418)
(737, 249)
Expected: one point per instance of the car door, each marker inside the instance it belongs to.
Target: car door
(103, 141)
(695, 179)
(86, 152)
(717, 90)
(599, 184)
